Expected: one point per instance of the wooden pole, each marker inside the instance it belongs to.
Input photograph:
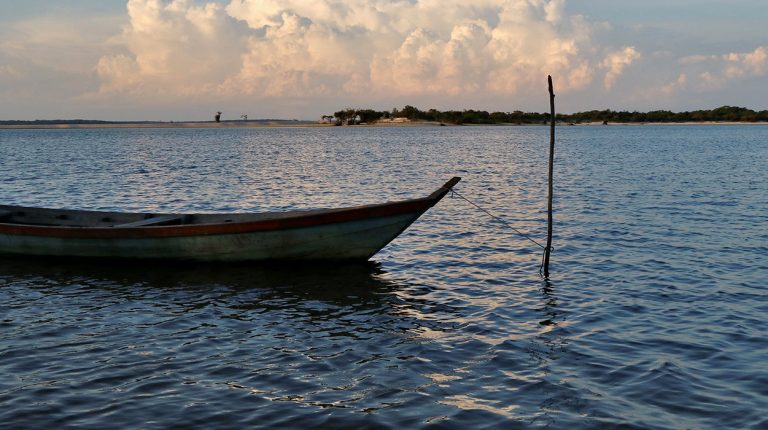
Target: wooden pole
(551, 168)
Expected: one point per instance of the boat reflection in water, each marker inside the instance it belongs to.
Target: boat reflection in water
(263, 340)
(342, 282)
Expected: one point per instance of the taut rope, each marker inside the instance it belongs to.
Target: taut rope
(507, 224)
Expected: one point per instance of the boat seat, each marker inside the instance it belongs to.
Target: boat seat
(155, 221)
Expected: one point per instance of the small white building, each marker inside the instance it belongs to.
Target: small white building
(328, 119)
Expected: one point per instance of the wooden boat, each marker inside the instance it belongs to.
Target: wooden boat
(352, 233)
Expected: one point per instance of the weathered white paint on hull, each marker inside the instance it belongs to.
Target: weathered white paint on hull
(344, 240)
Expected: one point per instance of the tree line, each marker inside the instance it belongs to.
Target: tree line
(471, 116)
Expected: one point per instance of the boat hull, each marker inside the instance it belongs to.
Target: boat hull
(354, 233)
(346, 240)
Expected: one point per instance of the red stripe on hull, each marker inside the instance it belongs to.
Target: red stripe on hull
(291, 222)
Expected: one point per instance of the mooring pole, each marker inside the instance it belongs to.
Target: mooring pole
(551, 168)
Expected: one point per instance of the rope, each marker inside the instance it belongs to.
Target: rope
(543, 254)
(498, 219)
(505, 223)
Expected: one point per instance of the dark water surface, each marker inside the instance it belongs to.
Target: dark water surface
(654, 317)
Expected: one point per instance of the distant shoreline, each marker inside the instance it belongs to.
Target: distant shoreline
(674, 123)
(158, 124)
(294, 124)
(410, 116)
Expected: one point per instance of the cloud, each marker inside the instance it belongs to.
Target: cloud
(695, 59)
(173, 48)
(675, 86)
(299, 57)
(714, 72)
(704, 76)
(748, 64)
(45, 63)
(616, 62)
(64, 45)
(293, 48)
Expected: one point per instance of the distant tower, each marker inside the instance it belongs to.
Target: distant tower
(217, 117)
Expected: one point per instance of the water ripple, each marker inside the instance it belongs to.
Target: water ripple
(654, 316)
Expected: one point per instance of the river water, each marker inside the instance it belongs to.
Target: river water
(654, 315)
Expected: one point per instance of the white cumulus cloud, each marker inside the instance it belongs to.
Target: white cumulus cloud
(753, 63)
(174, 48)
(321, 48)
(616, 62)
(300, 58)
(714, 72)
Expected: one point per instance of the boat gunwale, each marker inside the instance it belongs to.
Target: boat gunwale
(281, 221)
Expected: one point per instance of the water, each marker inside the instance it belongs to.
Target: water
(654, 316)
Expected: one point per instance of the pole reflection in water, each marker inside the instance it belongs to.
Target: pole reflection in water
(548, 347)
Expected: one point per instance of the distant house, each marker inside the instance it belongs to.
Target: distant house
(396, 120)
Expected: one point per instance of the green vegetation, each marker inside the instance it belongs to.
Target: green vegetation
(724, 113)
(471, 116)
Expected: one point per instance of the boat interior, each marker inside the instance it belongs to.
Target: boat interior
(97, 219)
(81, 218)
(33, 216)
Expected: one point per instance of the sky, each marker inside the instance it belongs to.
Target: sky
(297, 59)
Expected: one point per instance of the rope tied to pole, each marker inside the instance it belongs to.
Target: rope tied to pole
(507, 224)
(497, 218)
(543, 258)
